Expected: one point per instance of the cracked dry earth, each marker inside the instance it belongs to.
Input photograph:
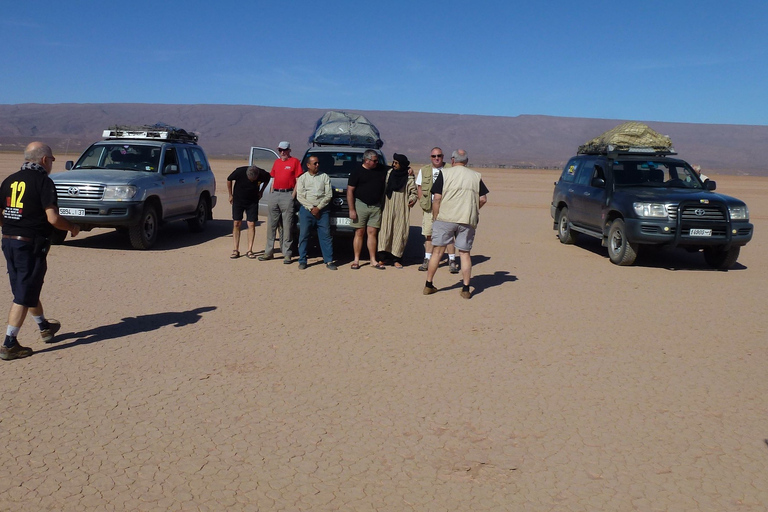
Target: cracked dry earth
(183, 380)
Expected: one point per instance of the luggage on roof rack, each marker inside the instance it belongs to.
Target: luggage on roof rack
(159, 131)
(337, 128)
(631, 137)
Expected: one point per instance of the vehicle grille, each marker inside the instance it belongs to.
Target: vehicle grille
(703, 212)
(339, 205)
(79, 191)
(709, 212)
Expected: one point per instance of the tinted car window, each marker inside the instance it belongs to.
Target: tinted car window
(570, 170)
(586, 171)
(338, 164)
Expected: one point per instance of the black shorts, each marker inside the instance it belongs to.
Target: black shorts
(251, 211)
(27, 265)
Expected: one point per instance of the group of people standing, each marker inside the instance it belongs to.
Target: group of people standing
(379, 198)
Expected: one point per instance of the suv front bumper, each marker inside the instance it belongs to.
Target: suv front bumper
(664, 232)
(105, 214)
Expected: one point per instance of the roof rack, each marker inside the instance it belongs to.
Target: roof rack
(612, 149)
(159, 131)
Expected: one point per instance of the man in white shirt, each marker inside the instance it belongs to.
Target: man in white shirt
(424, 180)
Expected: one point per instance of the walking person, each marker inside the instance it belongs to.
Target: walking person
(314, 193)
(29, 213)
(399, 197)
(285, 171)
(365, 191)
(458, 197)
(245, 186)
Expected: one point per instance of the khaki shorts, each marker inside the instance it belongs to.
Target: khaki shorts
(426, 224)
(444, 233)
(366, 215)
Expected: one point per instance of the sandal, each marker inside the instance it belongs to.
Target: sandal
(378, 266)
(355, 266)
(235, 255)
(250, 255)
(398, 265)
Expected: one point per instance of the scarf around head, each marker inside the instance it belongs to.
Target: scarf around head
(398, 177)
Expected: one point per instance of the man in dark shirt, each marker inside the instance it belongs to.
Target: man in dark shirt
(29, 214)
(365, 191)
(249, 184)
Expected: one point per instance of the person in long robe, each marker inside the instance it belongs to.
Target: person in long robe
(400, 195)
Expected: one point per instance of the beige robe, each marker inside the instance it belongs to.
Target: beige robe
(395, 218)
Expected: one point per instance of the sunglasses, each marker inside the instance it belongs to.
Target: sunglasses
(437, 156)
(282, 150)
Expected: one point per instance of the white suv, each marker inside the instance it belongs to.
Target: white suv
(136, 179)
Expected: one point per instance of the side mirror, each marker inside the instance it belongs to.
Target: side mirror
(710, 185)
(171, 169)
(69, 164)
(598, 182)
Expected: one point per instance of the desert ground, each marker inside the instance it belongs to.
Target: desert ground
(183, 380)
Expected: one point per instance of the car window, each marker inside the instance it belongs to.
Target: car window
(131, 157)
(184, 164)
(339, 164)
(199, 162)
(654, 173)
(170, 158)
(570, 170)
(586, 171)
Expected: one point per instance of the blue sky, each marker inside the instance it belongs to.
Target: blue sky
(676, 60)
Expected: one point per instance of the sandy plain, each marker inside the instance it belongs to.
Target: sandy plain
(184, 380)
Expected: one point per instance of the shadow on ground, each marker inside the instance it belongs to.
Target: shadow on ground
(128, 326)
(651, 256)
(174, 235)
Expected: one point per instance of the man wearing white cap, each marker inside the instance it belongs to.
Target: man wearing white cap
(285, 171)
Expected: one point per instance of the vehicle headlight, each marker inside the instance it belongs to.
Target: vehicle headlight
(650, 209)
(119, 192)
(739, 212)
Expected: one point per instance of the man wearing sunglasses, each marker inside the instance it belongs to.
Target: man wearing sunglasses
(424, 180)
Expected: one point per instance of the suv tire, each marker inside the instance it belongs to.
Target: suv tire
(620, 251)
(564, 232)
(197, 223)
(717, 257)
(144, 233)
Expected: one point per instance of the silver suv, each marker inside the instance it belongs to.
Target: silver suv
(135, 180)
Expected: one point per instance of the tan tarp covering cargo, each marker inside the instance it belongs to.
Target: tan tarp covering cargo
(341, 129)
(627, 136)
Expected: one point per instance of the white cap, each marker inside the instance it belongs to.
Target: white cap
(284, 145)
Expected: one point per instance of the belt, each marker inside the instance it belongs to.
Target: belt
(21, 238)
(283, 190)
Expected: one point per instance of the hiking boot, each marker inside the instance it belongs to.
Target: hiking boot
(466, 294)
(453, 267)
(302, 265)
(331, 266)
(48, 330)
(424, 266)
(265, 257)
(14, 352)
(429, 290)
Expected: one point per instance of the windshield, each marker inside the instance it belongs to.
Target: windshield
(120, 156)
(655, 173)
(338, 164)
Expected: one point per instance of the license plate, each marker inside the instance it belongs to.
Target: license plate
(341, 221)
(701, 232)
(72, 212)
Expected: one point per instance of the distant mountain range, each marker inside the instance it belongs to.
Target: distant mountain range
(528, 141)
